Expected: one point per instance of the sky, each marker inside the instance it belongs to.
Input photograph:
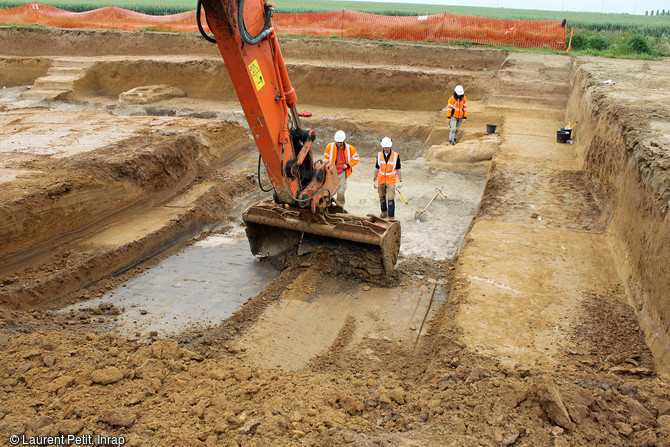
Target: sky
(616, 6)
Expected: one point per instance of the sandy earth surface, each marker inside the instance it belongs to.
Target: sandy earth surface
(128, 309)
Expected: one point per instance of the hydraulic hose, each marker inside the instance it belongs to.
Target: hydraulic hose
(259, 177)
(313, 195)
(244, 34)
(200, 28)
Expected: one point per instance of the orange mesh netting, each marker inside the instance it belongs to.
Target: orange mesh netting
(435, 28)
(109, 17)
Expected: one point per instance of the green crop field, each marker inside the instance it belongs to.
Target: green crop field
(614, 35)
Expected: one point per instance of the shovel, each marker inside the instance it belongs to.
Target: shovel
(420, 216)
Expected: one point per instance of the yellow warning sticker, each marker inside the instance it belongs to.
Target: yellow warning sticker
(256, 74)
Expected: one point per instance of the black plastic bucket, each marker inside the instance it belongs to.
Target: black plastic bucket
(562, 136)
(569, 131)
(491, 128)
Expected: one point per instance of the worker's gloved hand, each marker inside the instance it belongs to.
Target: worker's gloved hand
(374, 183)
(346, 166)
(399, 185)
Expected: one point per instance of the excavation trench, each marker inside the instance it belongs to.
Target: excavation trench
(125, 171)
(203, 285)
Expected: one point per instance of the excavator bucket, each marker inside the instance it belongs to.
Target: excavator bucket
(272, 229)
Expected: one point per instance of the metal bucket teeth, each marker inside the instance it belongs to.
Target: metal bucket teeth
(272, 229)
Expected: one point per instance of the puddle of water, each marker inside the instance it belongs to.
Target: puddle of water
(200, 286)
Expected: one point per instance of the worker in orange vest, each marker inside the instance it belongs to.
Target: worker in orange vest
(344, 156)
(457, 111)
(387, 178)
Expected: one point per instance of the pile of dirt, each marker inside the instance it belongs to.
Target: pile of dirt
(441, 393)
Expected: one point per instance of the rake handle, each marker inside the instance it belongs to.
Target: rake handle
(403, 197)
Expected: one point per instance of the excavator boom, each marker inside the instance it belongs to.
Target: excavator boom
(303, 187)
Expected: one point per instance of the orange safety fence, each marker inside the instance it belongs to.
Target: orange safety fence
(435, 28)
(109, 17)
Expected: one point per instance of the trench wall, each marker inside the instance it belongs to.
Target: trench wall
(363, 76)
(328, 86)
(63, 42)
(629, 175)
(22, 70)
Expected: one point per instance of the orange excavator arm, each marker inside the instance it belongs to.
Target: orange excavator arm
(303, 187)
(243, 31)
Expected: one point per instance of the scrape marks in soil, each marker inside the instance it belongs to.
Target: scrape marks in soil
(292, 332)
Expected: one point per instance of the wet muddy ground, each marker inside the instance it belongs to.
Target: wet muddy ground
(130, 305)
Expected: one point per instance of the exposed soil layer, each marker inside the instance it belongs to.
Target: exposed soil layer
(529, 309)
(628, 164)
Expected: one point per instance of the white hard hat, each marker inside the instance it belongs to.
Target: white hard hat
(340, 136)
(459, 90)
(386, 142)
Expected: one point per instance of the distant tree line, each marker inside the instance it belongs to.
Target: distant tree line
(662, 13)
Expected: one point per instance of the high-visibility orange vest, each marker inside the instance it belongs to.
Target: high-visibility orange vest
(460, 108)
(351, 156)
(387, 171)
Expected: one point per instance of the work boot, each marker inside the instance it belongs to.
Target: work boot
(391, 209)
(384, 215)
